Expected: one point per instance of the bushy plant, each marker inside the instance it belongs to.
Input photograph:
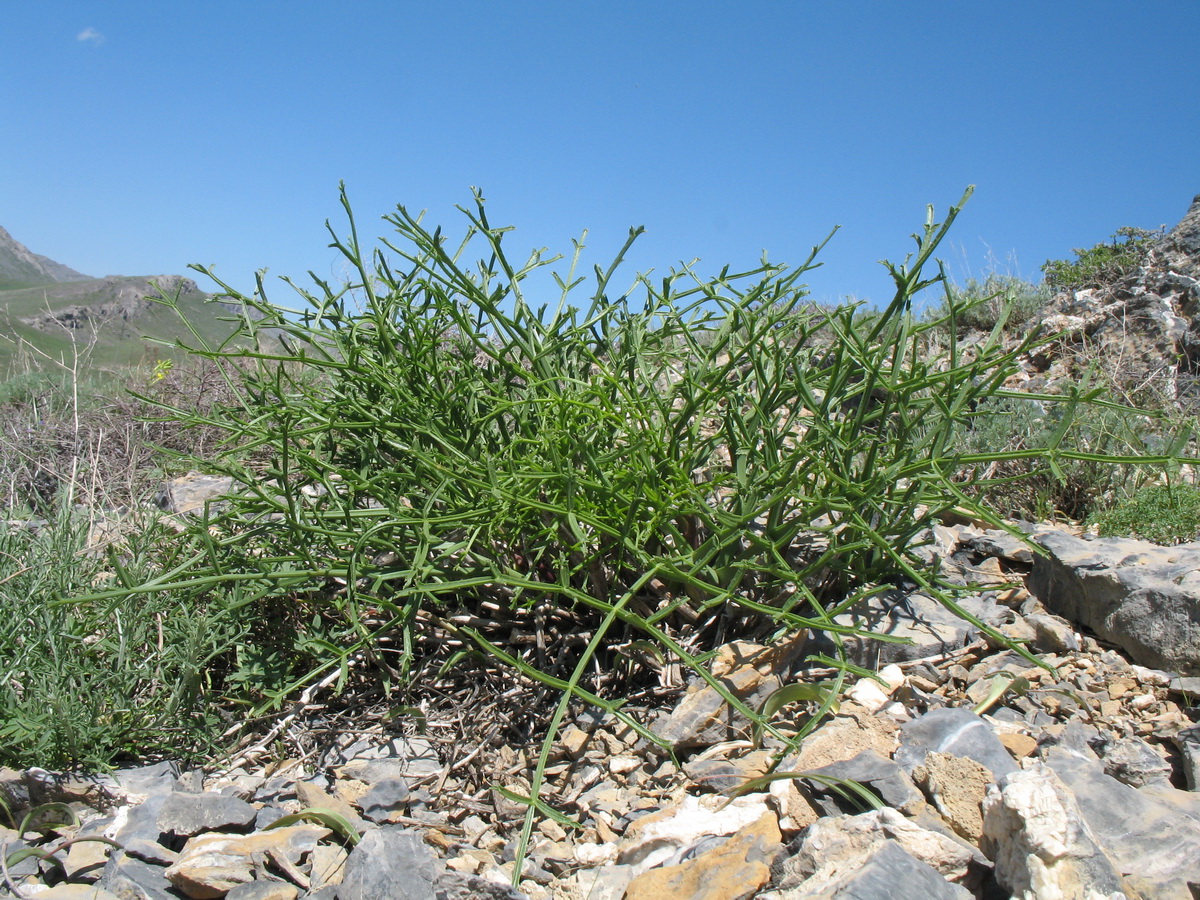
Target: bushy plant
(998, 299)
(443, 464)
(92, 684)
(1103, 264)
(1164, 514)
(1030, 487)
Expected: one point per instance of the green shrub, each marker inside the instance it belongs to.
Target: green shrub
(1029, 487)
(1164, 514)
(981, 305)
(1103, 264)
(91, 684)
(440, 464)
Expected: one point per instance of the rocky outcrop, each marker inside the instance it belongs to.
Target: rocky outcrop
(1143, 330)
(1142, 597)
(112, 299)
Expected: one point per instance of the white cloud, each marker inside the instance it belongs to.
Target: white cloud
(90, 34)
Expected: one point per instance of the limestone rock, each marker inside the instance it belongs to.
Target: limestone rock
(370, 761)
(1188, 742)
(1041, 845)
(663, 836)
(312, 797)
(929, 627)
(385, 801)
(150, 851)
(156, 778)
(327, 865)
(956, 732)
(734, 870)
(85, 860)
(1052, 634)
(188, 494)
(389, 862)
(76, 892)
(190, 814)
(1138, 595)
(842, 738)
(837, 842)
(1002, 545)
(1134, 762)
(885, 872)
(133, 879)
(703, 717)
(212, 864)
(1147, 839)
(956, 785)
(264, 890)
(884, 777)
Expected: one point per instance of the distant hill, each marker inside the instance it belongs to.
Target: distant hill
(49, 308)
(19, 267)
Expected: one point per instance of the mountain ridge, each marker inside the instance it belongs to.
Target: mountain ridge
(49, 310)
(20, 265)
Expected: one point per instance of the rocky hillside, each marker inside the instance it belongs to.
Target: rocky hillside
(1142, 332)
(49, 309)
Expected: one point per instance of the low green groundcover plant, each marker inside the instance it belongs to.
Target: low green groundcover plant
(1164, 514)
(997, 298)
(93, 683)
(427, 454)
(1103, 264)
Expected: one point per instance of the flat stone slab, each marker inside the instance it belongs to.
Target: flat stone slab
(1142, 597)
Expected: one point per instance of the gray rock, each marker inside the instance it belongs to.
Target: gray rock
(885, 873)
(1074, 738)
(715, 774)
(1052, 634)
(26, 867)
(1187, 686)
(1188, 742)
(955, 732)
(150, 852)
(386, 798)
(1003, 545)
(928, 627)
(389, 862)
(1184, 238)
(1134, 762)
(1145, 837)
(189, 493)
(264, 890)
(13, 790)
(603, 882)
(140, 822)
(132, 879)
(1137, 595)
(267, 815)
(456, 886)
(884, 777)
(368, 760)
(703, 717)
(1186, 803)
(842, 842)
(1040, 843)
(159, 778)
(186, 815)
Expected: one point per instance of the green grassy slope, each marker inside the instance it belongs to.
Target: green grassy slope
(106, 319)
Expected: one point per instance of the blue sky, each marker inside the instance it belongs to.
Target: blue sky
(137, 137)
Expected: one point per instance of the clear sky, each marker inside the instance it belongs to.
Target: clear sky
(138, 137)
